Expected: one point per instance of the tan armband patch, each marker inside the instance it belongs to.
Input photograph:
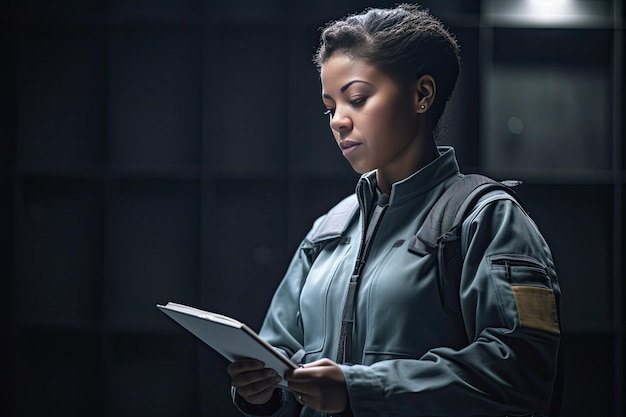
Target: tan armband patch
(536, 308)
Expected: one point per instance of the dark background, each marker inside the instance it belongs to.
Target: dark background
(158, 151)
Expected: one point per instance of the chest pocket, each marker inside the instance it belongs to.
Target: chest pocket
(318, 303)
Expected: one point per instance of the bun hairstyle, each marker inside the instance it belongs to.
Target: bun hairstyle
(405, 41)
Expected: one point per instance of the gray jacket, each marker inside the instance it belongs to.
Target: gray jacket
(409, 355)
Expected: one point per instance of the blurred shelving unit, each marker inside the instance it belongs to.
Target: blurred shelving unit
(552, 74)
(177, 151)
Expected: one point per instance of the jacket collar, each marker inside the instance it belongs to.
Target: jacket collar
(414, 185)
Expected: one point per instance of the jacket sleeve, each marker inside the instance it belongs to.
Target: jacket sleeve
(282, 327)
(509, 300)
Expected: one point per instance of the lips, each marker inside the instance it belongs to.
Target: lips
(347, 144)
(348, 147)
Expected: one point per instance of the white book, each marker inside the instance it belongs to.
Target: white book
(229, 337)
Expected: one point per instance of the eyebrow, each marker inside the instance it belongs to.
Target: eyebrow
(345, 87)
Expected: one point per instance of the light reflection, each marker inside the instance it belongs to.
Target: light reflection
(548, 13)
(552, 10)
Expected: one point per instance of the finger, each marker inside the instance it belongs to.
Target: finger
(298, 387)
(310, 371)
(259, 392)
(245, 365)
(319, 362)
(262, 377)
(304, 375)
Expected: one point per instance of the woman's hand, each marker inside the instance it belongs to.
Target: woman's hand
(319, 385)
(254, 382)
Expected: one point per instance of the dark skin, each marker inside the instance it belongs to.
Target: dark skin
(379, 123)
(254, 383)
(319, 385)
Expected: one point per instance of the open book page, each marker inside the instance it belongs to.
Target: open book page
(229, 337)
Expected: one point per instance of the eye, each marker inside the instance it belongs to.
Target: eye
(329, 112)
(358, 101)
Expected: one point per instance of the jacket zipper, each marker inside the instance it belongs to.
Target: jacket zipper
(344, 348)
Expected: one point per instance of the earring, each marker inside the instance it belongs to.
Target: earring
(423, 107)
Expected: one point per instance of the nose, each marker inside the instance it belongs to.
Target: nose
(340, 121)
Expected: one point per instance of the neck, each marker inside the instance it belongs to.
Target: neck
(427, 154)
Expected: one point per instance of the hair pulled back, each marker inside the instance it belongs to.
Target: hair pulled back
(405, 41)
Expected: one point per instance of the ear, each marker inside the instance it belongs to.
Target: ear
(425, 91)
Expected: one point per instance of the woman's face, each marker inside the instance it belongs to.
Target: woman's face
(372, 116)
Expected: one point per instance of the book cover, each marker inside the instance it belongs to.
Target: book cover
(231, 338)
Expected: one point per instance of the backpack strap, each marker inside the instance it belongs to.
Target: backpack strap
(442, 228)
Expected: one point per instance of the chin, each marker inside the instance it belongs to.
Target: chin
(360, 170)
(360, 166)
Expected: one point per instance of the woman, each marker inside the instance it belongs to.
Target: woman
(362, 313)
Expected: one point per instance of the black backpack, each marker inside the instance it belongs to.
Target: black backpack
(440, 232)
